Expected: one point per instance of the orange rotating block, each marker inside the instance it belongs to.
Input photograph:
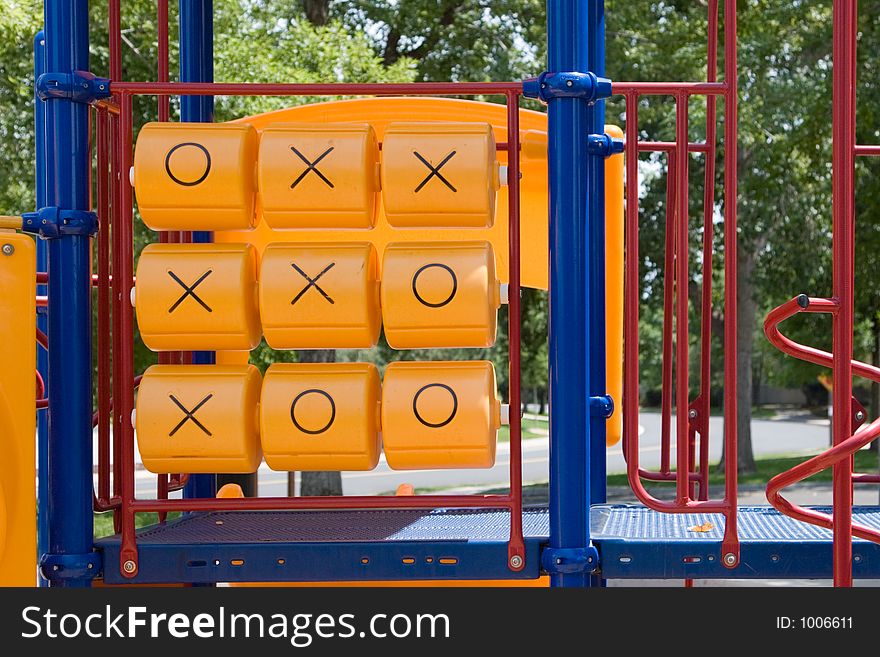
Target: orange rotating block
(440, 295)
(320, 296)
(199, 418)
(439, 174)
(440, 415)
(198, 296)
(319, 175)
(320, 416)
(196, 176)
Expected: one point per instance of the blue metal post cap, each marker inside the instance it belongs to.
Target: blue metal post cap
(55, 567)
(569, 560)
(601, 406)
(51, 222)
(569, 84)
(79, 86)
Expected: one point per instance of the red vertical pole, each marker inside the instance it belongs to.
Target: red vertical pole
(103, 291)
(668, 348)
(682, 393)
(843, 230)
(708, 244)
(162, 72)
(122, 280)
(516, 548)
(730, 543)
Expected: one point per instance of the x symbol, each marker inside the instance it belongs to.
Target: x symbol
(189, 415)
(435, 171)
(312, 282)
(311, 166)
(189, 290)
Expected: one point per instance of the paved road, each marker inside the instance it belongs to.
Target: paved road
(792, 435)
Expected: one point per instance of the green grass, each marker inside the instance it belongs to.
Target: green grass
(104, 522)
(768, 467)
(504, 432)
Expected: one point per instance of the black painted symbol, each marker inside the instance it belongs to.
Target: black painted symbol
(435, 425)
(435, 171)
(188, 183)
(311, 167)
(313, 391)
(312, 283)
(190, 415)
(415, 288)
(189, 291)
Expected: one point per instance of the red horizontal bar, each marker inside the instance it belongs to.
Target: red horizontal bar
(42, 301)
(107, 105)
(325, 502)
(863, 478)
(669, 88)
(665, 476)
(309, 89)
(669, 146)
(868, 150)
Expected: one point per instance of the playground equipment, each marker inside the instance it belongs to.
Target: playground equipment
(423, 215)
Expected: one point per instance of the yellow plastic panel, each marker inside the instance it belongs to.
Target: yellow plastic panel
(198, 296)
(440, 415)
(196, 176)
(320, 416)
(199, 418)
(319, 175)
(439, 174)
(320, 296)
(614, 288)
(444, 294)
(18, 513)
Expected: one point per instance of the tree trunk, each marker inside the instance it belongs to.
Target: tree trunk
(746, 315)
(317, 483)
(317, 11)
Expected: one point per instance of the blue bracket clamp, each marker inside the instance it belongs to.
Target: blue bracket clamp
(603, 145)
(78, 86)
(569, 84)
(569, 560)
(57, 567)
(52, 222)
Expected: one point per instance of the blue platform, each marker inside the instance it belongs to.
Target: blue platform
(633, 542)
(260, 546)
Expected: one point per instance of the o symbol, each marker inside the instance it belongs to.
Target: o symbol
(188, 183)
(313, 432)
(435, 425)
(421, 299)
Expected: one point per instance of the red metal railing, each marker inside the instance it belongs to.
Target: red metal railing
(847, 436)
(692, 467)
(123, 366)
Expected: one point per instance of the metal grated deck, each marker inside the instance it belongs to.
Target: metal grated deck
(345, 526)
(754, 524)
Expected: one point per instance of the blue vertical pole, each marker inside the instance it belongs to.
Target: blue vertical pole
(42, 356)
(595, 302)
(596, 256)
(196, 38)
(569, 359)
(69, 471)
